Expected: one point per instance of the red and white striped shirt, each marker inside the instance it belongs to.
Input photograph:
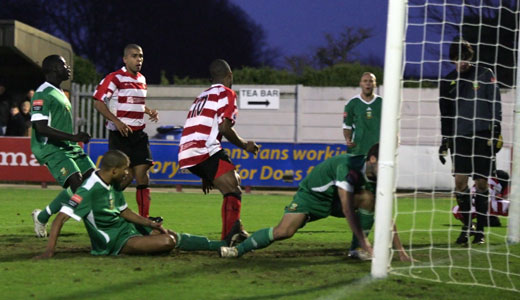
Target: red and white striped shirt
(498, 203)
(200, 137)
(125, 96)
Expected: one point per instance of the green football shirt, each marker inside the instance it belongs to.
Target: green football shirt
(345, 171)
(364, 119)
(49, 103)
(100, 206)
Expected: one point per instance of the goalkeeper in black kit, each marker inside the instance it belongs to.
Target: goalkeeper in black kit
(471, 113)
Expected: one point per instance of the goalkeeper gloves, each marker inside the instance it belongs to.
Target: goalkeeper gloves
(443, 149)
(497, 141)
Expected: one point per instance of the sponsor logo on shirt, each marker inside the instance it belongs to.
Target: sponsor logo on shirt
(37, 105)
(75, 200)
(369, 113)
(476, 86)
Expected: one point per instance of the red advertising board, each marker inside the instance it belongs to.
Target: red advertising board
(17, 163)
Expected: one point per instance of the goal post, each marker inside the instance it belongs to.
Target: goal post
(513, 226)
(388, 137)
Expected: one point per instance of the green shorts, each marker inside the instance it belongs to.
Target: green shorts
(63, 164)
(118, 239)
(305, 203)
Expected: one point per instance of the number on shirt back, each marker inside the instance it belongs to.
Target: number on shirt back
(198, 107)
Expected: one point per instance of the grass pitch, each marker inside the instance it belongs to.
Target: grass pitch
(311, 265)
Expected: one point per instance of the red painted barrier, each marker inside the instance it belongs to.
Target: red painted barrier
(17, 163)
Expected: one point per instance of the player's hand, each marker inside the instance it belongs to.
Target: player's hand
(154, 115)
(497, 141)
(443, 149)
(124, 129)
(367, 247)
(81, 137)
(403, 256)
(158, 226)
(45, 255)
(252, 147)
(350, 144)
(207, 186)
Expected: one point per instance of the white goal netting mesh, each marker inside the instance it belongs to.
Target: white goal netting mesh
(423, 211)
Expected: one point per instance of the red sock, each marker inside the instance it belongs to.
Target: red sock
(230, 212)
(143, 201)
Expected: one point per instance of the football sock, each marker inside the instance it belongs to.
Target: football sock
(464, 201)
(142, 196)
(230, 212)
(258, 240)
(190, 242)
(481, 206)
(366, 219)
(55, 205)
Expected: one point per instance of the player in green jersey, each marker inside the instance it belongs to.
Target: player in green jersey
(112, 227)
(362, 117)
(333, 188)
(361, 126)
(53, 141)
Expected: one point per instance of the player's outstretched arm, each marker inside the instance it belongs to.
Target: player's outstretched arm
(103, 109)
(132, 217)
(43, 128)
(57, 224)
(227, 130)
(347, 205)
(403, 256)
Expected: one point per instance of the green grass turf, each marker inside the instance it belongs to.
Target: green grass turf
(311, 265)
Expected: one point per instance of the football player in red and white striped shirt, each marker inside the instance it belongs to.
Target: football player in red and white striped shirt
(498, 203)
(211, 116)
(124, 91)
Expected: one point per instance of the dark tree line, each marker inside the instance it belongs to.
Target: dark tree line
(179, 37)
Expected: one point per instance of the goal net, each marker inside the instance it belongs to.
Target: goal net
(423, 208)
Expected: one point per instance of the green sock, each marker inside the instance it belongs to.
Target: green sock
(55, 205)
(190, 242)
(258, 240)
(366, 219)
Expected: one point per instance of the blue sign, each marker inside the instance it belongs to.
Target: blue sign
(275, 165)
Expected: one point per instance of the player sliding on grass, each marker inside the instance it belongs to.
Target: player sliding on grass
(112, 227)
(333, 188)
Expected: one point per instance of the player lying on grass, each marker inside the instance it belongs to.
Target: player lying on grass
(112, 227)
(498, 203)
(333, 188)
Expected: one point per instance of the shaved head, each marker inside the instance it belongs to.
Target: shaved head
(131, 46)
(114, 159)
(218, 70)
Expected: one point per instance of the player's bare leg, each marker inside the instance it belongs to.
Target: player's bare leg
(159, 243)
(228, 184)
(262, 238)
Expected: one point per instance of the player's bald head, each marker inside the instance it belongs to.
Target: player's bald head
(131, 47)
(114, 159)
(219, 69)
(50, 63)
(373, 151)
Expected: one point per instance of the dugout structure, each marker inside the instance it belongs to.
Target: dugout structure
(22, 50)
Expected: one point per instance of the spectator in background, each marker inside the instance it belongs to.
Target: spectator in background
(25, 111)
(16, 124)
(4, 107)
